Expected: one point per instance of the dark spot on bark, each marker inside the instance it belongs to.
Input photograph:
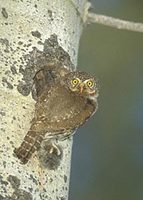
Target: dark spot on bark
(6, 43)
(22, 49)
(44, 190)
(4, 13)
(35, 5)
(2, 129)
(51, 180)
(6, 83)
(3, 182)
(28, 45)
(36, 34)
(21, 70)
(14, 181)
(4, 164)
(7, 72)
(66, 188)
(30, 189)
(20, 43)
(50, 14)
(65, 178)
(62, 198)
(2, 198)
(2, 113)
(52, 49)
(40, 43)
(33, 179)
(23, 88)
(11, 142)
(21, 195)
(13, 70)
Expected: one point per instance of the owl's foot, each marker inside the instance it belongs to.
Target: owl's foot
(55, 149)
(50, 155)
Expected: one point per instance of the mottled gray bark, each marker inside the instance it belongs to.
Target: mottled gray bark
(25, 27)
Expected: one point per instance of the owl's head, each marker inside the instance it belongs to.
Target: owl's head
(82, 84)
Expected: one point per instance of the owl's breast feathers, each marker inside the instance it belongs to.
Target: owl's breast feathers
(59, 110)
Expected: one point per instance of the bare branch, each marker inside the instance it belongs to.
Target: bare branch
(90, 17)
(114, 22)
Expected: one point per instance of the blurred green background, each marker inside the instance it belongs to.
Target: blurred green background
(107, 161)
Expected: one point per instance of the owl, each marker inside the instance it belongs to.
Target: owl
(65, 101)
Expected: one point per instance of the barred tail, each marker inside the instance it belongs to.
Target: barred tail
(30, 144)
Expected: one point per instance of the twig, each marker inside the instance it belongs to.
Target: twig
(90, 17)
(113, 22)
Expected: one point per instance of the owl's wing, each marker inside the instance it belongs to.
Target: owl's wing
(43, 78)
(59, 110)
(74, 117)
(47, 76)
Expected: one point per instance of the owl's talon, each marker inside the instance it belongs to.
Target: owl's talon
(56, 149)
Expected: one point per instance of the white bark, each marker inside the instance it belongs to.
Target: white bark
(17, 21)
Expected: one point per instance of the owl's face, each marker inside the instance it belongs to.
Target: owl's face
(82, 84)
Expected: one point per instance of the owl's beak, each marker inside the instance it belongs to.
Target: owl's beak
(81, 87)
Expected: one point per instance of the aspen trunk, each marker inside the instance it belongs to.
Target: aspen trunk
(25, 29)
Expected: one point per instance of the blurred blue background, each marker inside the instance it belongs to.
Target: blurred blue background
(107, 161)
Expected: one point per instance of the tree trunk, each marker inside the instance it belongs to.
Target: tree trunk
(29, 30)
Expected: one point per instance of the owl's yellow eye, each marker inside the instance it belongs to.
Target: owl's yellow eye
(89, 83)
(75, 82)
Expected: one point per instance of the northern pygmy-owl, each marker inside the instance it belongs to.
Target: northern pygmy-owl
(62, 106)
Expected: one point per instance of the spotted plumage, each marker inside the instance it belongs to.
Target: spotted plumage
(63, 104)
